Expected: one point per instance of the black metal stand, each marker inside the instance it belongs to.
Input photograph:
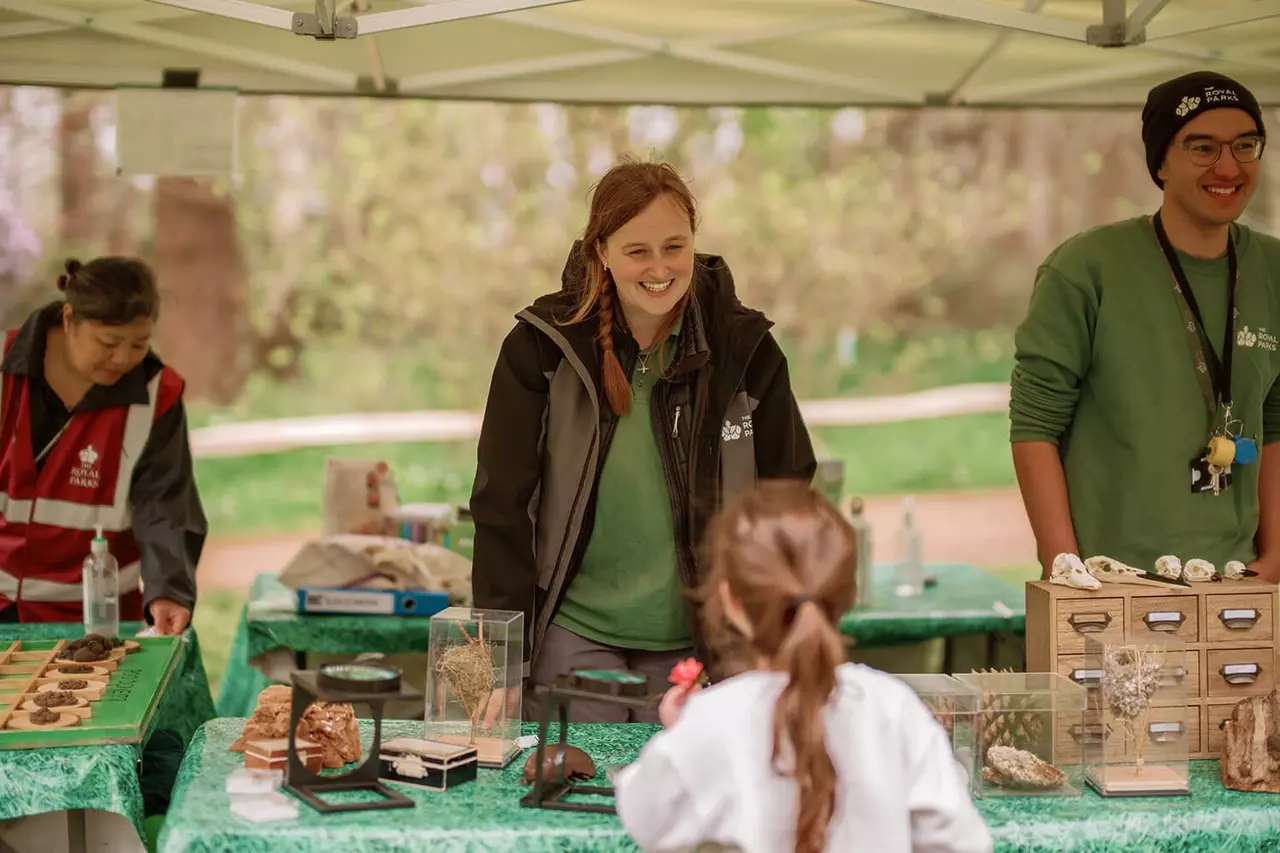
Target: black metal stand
(309, 687)
(551, 793)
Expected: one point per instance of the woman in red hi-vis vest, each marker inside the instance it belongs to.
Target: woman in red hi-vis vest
(93, 432)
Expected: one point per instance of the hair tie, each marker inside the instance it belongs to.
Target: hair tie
(63, 281)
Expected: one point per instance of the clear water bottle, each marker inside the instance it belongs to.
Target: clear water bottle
(101, 580)
(862, 529)
(909, 574)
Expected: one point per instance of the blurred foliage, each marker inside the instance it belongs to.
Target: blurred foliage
(389, 243)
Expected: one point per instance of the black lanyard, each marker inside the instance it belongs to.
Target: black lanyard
(1216, 385)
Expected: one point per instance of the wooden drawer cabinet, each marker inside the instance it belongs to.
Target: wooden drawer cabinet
(1228, 628)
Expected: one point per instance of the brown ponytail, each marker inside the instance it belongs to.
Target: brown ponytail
(620, 195)
(789, 560)
(809, 655)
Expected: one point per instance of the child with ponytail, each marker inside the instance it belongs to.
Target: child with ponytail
(801, 751)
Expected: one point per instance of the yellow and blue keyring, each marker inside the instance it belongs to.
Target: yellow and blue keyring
(1221, 451)
(1246, 450)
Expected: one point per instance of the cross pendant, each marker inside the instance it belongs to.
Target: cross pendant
(644, 368)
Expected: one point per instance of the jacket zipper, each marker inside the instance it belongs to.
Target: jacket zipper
(677, 491)
(675, 427)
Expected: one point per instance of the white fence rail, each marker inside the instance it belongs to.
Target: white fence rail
(245, 439)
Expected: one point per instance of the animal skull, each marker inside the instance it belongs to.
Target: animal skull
(1233, 570)
(1107, 569)
(1069, 571)
(1169, 566)
(1198, 571)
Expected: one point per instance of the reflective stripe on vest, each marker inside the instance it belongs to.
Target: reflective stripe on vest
(34, 589)
(77, 516)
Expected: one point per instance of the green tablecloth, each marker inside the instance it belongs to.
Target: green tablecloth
(263, 631)
(966, 600)
(104, 777)
(486, 815)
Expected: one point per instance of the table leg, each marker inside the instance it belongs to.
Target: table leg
(75, 831)
(300, 660)
(948, 655)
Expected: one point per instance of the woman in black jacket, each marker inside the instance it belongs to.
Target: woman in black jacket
(624, 410)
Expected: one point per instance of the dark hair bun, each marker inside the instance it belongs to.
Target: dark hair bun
(72, 266)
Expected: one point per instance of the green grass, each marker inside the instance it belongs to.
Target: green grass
(215, 619)
(282, 492)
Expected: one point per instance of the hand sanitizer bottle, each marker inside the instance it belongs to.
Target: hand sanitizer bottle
(862, 530)
(910, 568)
(101, 580)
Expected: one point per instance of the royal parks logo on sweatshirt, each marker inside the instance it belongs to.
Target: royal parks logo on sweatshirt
(1261, 339)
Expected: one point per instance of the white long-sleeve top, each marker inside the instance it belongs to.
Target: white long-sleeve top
(708, 782)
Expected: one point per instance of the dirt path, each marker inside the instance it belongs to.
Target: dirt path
(985, 528)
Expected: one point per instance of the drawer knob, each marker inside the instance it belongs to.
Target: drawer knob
(1173, 675)
(1164, 620)
(1090, 732)
(1165, 732)
(1089, 623)
(1239, 619)
(1240, 673)
(1087, 677)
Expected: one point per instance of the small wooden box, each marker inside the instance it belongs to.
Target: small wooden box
(274, 754)
(427, 763)
(1228, 627)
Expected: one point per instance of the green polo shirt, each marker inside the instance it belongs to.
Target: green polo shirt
(628, 592)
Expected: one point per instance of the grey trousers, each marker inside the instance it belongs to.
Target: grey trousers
(562, 651)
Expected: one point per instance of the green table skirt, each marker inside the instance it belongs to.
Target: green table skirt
(105, 777)
(487, 816)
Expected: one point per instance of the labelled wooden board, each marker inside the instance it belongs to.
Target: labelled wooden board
(120, 713)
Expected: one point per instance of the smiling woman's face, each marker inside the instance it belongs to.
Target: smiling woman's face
(651, 261)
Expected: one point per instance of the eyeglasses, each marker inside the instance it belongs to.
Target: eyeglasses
(1206, 152)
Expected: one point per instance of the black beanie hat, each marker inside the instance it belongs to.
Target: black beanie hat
(1175, 102)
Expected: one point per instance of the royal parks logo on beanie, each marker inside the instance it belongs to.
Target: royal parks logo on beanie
(1174, 103)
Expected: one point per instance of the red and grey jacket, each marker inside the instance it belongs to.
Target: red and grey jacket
(724, 417)
(112, 465)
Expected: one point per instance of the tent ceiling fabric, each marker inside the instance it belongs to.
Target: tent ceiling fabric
(819, 52)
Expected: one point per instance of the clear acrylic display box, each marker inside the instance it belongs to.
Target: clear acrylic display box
(474, 681)
(1020, 726)
(1144, 744)
(954, 705)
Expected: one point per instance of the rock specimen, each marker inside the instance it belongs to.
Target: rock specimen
(332, 726)
(73, 684)
(1251, 746)
(75, 668)
(576, 765)
(54, 699)
(1020, 770)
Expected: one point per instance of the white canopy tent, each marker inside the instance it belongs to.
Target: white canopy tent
(1017, 53)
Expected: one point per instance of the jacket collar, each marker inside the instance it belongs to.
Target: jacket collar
(26, 358)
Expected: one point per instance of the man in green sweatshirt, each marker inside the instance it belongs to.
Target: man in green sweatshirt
(1144, 400)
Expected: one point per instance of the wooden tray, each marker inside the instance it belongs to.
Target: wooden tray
(117, 707)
